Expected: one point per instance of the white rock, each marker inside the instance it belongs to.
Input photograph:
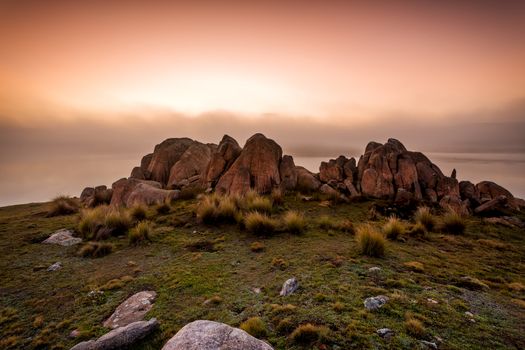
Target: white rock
(374, 303)
(63, 237)
(55, 266)
(289, 287)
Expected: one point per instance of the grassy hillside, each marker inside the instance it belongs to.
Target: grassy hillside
(211, 272)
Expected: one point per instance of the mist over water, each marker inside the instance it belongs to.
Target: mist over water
(41, 179)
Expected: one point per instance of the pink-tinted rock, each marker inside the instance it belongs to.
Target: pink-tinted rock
(221, 159)
(288, 173)
(165, 155)
(257, 167)
(489, 190)
(191, 168)
(133, 309)
(306, 181)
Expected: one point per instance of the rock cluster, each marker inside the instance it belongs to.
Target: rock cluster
(386, 171)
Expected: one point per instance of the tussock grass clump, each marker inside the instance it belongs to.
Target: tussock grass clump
(227, 210)
(393, 228)
(415, 266)
(138, 212)
(414, 327)
(102, 222)
(279, 263)
(285, 325)
(277, 196)
(163, 208)
(257, 247)
(214, 209)
(95, 250)
(38, 321)
(453, 223)
(117, 221)
(91, 220)
(308, 333)
(117, 283)
(417, 230)
(294, 222)
(424, 217)
(491, 243)
(254, 326)
(207, 209)
(338, 306)
(258, 203)
(259, 223)
(140, 233)
(326, 223)
(346, 226)
(516, 286)
(63, 205)
(370, 241)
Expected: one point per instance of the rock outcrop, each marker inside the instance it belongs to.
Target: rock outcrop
(385, 171)
(209, 335)
(257, 167)
(63, 237)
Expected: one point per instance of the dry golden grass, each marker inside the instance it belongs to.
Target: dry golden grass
(415, 327)
(306, 334)
(63, 205)
(393, 228)
(259, 224)
(294, 222)
(257, 247)
(254, 326)
(415, 266)
(424, 217)
(370, 241)
(141, 233)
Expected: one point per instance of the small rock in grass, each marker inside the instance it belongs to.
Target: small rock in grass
(374, 303)
(374, 270)
(74, 333)
(63, 237)
(386, 333)
(55, 266)
(289, 287)
(257, 290)
(469, 314)
(429, 344)
(432, 301)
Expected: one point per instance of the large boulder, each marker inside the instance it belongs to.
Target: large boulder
(288, 173)
(221, 159)
(454, 202)
(468, 190)
(489, 190)
(209, 335)
(257, 168)
(91, 197)
(386, 169)
(190, 169)
(165, 155)
(127, 192)
(306, 181)
(133, 309)
(120, 338)
(332, 170)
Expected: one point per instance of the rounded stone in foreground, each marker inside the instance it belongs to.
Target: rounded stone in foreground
(210, 335)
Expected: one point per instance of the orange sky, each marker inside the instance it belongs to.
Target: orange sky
(328, 59)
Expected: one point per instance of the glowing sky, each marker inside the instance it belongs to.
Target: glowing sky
(319, 58)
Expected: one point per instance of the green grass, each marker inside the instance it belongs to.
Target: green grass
(190, 263)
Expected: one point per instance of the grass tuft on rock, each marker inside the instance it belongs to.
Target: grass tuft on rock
(371, 242)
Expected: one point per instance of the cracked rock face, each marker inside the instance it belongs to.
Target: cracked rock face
(209, 335)
(132, 310)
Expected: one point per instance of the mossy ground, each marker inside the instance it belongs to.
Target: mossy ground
(187, 263)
